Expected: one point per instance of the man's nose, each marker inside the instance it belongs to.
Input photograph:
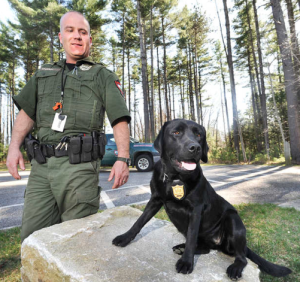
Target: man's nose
(77, 34)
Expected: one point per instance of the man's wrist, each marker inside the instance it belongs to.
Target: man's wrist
(126, 160)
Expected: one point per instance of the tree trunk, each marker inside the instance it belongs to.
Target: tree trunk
(289, 78)
(261, 84)
(151, 108)
(129, 86)
(123, 55)
(252, 83)
(232, 83)
(165, 70)
(144, 72)
(295, 46)
(196, 80)
(51, 42)
(192, 107)
(225, 101)
(223, 116)
(159, 93)
(181, 91)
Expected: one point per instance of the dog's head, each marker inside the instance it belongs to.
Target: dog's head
(182, 143)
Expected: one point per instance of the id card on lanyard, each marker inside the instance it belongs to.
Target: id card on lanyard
(60, 119)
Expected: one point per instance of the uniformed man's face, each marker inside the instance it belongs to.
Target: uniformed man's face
(75, 37)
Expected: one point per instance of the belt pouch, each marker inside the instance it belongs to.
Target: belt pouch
(102, 143)
(74, 150)
(38, 154)
(87, 146)
(95, 153)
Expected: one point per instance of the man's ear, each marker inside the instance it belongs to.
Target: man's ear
(158, 143)
(205, 148)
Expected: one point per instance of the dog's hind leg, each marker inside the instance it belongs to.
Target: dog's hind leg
(179, 249)
(234, 243)
(201, 249)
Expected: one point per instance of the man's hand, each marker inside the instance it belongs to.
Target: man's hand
(23, 125)
(15, 158)
(120, 169)
(120, 172)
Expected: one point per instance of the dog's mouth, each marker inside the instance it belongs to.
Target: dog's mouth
(185, 165)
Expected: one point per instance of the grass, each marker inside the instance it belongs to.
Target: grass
(10, 252)
(272, 232)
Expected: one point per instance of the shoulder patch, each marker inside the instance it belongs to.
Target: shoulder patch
(118, 84)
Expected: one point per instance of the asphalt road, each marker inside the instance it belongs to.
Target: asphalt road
(237, 184)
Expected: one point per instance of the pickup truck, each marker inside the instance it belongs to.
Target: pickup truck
(142, 155)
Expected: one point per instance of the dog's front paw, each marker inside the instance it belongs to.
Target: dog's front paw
(122, 240)
(234, 272)
(185, 266)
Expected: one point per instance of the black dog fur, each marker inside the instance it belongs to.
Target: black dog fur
(205, 219)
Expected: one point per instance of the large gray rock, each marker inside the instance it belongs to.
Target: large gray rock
(81, 250)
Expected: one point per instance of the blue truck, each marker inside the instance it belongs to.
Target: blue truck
(142, 155)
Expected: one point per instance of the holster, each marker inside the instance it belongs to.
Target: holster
(34, 150)
(102, 143)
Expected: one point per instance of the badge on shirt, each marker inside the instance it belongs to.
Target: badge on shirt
(59, 122)
(118, 84)
(178, 192)
(85, 67)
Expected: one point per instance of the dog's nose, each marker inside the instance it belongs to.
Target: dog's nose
(194, 148)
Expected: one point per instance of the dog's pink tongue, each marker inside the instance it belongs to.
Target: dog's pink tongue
(188, 166)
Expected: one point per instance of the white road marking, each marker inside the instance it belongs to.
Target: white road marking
(127, 187)
(7, 207)
(138, 203)
(107, 201)
(22, 173)
(210, 180)
(146, 189)
(14, 183)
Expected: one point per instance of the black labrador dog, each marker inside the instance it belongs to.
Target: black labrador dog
(205, 219)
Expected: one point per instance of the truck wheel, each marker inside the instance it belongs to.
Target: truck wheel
(144, 163)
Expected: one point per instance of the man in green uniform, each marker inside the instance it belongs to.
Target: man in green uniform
(66, 100)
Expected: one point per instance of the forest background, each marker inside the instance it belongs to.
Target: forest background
(231, 65)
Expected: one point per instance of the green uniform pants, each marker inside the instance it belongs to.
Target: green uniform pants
(58, 191)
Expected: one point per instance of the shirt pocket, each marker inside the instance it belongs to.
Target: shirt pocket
(48, 85)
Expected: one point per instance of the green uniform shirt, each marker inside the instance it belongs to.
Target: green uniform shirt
(87, 89)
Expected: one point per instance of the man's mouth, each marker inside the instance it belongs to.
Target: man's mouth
(185, 165)
(76, 44)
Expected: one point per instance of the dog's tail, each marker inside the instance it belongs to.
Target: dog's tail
(268, 267)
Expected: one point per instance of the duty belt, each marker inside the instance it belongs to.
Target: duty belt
(79, 148)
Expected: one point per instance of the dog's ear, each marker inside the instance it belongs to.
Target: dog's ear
(158, 143)
(205, 148)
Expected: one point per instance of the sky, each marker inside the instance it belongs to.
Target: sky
(212, 89)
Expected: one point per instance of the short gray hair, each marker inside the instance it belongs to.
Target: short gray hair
(78, 14)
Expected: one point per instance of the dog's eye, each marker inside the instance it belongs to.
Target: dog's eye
(176, 132)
